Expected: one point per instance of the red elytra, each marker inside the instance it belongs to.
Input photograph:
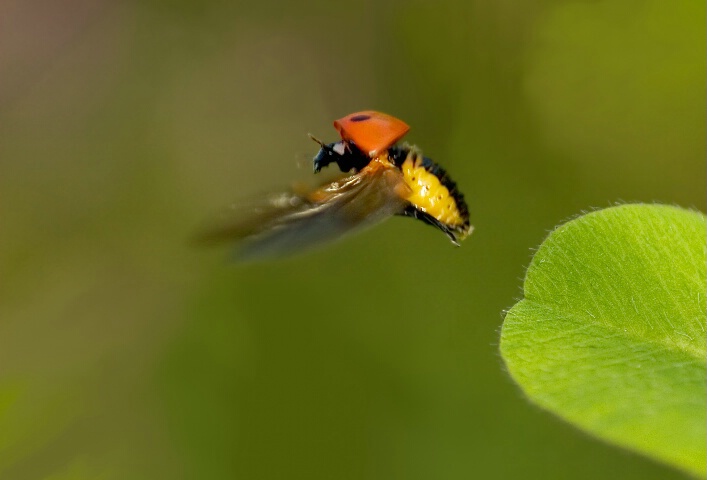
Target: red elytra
(371, 131)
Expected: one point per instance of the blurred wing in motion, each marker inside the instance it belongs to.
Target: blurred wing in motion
(289, 222)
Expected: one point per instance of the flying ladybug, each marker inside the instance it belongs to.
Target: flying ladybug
(380, 180)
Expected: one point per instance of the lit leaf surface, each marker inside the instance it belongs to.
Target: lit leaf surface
(610, 334)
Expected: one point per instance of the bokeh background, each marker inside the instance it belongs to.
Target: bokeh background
(125, 353)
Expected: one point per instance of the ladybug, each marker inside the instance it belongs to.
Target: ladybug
(381, 180)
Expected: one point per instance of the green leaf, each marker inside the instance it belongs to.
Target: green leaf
(611, 333)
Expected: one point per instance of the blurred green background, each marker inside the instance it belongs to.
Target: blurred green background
(126, 353)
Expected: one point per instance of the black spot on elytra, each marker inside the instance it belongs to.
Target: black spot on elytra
(359, 118)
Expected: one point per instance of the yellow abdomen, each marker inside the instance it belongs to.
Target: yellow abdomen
(429, 194)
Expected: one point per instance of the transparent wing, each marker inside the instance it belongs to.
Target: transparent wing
(289, 222)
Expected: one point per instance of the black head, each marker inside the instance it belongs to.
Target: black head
(344, 154)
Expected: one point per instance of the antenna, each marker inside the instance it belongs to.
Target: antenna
(322, 144)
